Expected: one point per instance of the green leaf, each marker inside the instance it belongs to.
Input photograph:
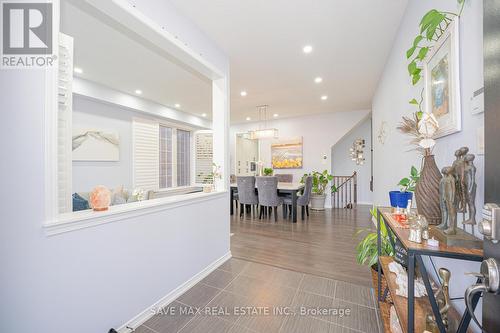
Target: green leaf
(414, 172)
(427, 19)
(422, 53)
(417, 40)
(410, 52)
(414, 101)
(416, 78)
(412, 67)
(420, 114)
(404, 182)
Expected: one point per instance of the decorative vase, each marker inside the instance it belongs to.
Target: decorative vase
(318, 201)
(427, 191)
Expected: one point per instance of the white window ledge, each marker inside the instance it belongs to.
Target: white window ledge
(89, 218)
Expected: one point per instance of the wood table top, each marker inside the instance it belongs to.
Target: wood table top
(282, 186)
(403, 233)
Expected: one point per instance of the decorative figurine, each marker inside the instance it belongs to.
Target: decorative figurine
(424, 225)
(442, 296)
(447, 197)
(458, 167)
(444, 292)
(470, 188)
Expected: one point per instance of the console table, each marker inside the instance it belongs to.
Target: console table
(412, 312)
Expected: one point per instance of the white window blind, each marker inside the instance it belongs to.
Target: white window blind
(145, 135)
(183, 157)
(166, 157)
(64, 124)
(203, 157)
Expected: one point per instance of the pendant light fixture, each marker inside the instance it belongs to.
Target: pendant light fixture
(263, 132)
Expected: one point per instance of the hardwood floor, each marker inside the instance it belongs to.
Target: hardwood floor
(322, 245)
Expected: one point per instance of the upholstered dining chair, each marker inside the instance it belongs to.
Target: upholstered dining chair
(284, 177)
(246, 193)
(304, 199)
(267, 188)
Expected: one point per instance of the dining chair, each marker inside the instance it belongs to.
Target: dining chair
(284, 177)
(304, 199)
(267, 189)
(246, 193)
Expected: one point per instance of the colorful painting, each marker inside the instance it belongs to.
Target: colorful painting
(287, 154)
(440, 88)
(95, 145)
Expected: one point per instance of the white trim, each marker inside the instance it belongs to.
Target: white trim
(142, 317)
(88, 218)
(50, 122)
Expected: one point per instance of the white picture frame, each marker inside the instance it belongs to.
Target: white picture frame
(442, 82)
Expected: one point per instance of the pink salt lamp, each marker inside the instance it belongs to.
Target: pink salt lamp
(100, 198)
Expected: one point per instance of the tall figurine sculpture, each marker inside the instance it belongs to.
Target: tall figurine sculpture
(470, 188)
(442, 296)
(444, 292)
(458, 167)
(447, 197)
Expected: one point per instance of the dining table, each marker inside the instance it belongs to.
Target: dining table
(291, 189)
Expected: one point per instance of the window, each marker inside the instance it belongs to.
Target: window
(166, 157)
(174, 157)
(183, 158)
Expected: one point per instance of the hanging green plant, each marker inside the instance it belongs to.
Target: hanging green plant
(432, 26)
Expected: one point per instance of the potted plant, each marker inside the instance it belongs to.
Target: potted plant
(407, 187)
(268, 171)
(367, 251)
(210, 178)
(320, 185)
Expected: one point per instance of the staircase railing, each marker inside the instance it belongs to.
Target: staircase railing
(346, 195)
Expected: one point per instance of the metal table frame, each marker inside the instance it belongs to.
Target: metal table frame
(415, 256)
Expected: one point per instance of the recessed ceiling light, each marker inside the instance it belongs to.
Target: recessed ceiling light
(307, 49)
(78, 70)
(243, 93)
(248, 118)
(324, 98)
(275, 115)
(177, 105)
(138, 92)
(318, 80)
(203, 114)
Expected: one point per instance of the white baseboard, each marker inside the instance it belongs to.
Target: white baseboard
(142, 317)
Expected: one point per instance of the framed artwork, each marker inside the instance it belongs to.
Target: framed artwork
(95, 145)
(442, 82)
(287, 154)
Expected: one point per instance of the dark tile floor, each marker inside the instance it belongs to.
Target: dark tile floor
(247, 297)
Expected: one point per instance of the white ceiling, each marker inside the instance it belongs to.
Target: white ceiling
(120, 61)
(351, 41)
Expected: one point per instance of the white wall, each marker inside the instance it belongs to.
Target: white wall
(342, 165)
(320, 132)
(88, 174)
(92, 279)
(391, 161)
